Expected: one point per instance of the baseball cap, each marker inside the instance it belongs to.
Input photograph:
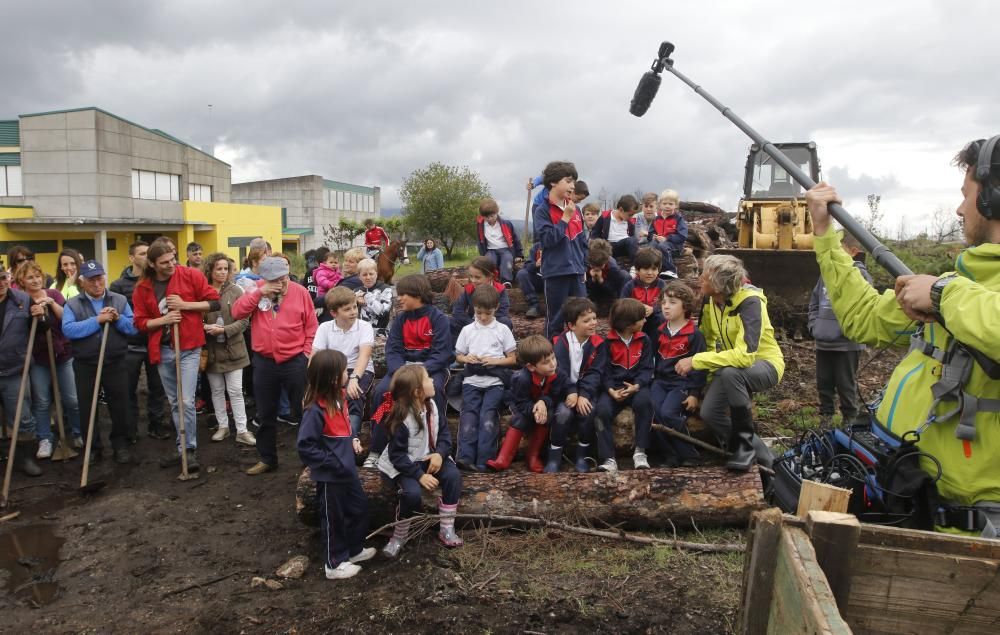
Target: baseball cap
(91, 268)
(272, 268)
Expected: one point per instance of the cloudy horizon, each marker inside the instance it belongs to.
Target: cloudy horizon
(368, 93)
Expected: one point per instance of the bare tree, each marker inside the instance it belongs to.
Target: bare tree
(945, 226)
(902, 232)
(875, 215)
(602, 197)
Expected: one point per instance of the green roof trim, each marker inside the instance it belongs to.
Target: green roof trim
(348, 187)
(10, 158)
(10, 132)
(297, 231)
(137, 125)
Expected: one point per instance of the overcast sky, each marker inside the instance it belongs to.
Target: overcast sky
(368, 92)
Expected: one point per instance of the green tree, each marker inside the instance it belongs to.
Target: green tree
(441, 202)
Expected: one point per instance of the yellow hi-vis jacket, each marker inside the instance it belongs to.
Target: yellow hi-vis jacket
(970, 307)
(738, 333)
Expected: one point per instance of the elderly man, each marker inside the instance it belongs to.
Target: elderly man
(15, 321)
(284, 324)
(84, 317)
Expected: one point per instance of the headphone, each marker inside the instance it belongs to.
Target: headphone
(988, 201)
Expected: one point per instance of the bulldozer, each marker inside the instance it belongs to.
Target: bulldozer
(774, 234)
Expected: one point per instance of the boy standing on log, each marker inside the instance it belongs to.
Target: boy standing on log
(498, 240)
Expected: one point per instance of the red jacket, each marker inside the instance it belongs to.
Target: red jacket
(281, 334)
(192, 286)
(375, 236)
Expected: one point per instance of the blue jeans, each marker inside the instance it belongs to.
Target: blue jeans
(9, 387)
(189, 383)
(557, 289)
(530, 285)
(41, 402)
(479, 427)
(504, 259)
(668, 410)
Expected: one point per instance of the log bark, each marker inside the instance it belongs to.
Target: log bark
(636, 499)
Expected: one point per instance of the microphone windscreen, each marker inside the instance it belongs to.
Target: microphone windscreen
(649, 83)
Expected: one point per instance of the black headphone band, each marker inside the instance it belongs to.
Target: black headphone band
(985, 163)
(988, 201)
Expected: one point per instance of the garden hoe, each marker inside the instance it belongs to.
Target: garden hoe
(184, 475)
(63, 451)
(87, 487)
(17, 415)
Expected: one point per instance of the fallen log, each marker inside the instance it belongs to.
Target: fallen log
(635, 498)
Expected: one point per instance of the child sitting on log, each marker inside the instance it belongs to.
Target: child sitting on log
(673, 395)
(647, 288)
(535, 391)
(418, 455)
(669, 231)
(618, 227)
(375, 299)
(605, 279)
(327, 446)
(591, 212)
(626, 383)
(486, 347)
(583, 356)
(482, 271)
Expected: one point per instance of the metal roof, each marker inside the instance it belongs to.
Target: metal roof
(10, 158)
(347, 187)
(10, 132)
(297, 231)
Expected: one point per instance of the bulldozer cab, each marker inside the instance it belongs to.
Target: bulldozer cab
(766, 180)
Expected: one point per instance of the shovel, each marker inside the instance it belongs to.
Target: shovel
(184, 475)
(63, 451)
(87, 487)
(17, 415)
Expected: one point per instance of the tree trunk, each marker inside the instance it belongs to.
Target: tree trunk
(634, 499)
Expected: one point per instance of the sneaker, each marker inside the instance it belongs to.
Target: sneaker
(287, 418)
(192, 461)
(253, 425)
(507, 284)
(342, 571)
(44, 449)
(532, 312)
(77, 443)
(610, 466)
(393, 547)
(261, 468)
(639, 460)
(449, 538)
(371, 463)
(200, 406)
(668, 275)
(365, 554)
(246, 438)
(221, 433)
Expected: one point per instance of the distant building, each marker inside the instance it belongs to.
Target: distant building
(310, 203)
(87, 179)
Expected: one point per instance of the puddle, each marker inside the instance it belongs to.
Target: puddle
(29, 557)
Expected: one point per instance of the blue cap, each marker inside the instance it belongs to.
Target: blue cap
(91, 268)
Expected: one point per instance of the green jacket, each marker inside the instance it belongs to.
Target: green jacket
(970, 306)
(738, 334)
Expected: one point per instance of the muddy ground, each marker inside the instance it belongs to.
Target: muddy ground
(151, 554)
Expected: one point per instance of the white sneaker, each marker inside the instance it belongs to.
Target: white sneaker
(221, 433)
(246, 438)
(639, 460)
(610, 466)
(365, 554)
(371, 463)
(44, 449)
(343, 571)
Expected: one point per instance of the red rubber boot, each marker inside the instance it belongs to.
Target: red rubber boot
(539, 437)
(507, 451)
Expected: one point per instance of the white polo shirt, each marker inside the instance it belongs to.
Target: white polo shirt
(494, 236)
(349, 342)
(490, 340)
(575, 357)
(617, 229)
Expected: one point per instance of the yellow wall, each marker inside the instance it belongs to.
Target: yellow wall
(231, 220)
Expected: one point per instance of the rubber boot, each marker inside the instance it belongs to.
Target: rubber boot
(538, 438)
(399, 535)
(24, 460)
(507, 451)
(740, 446)
(582, 465)
(555, 458)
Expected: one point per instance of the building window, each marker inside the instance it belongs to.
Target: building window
(199, 193)
(10, 180)
(340, 200)
(156, 186)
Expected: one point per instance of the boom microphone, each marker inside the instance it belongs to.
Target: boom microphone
(649, 83)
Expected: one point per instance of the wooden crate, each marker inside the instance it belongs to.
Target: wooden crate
(831, 574)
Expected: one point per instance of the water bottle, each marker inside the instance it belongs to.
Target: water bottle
(221, 337)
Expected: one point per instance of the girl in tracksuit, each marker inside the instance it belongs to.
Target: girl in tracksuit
(327, 447)
(417, 457)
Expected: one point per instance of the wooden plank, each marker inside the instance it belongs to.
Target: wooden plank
(758, 570)
(822, 497)
(835, 538)
(802, 601)
(906, 591)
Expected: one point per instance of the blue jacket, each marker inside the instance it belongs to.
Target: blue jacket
(526, 388)
(463, 313)
(675, 228)
(650, 296)
(529, 264)
(595, 360)
(422, 335)
(509, 234)
(615, 279)
(432, 260)
(632, 362)
(564, 245)
(325, 445)
(670, 348)
(602, 227)
(351, 282)
(543, 194)
(14, 338)
(399, 446)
